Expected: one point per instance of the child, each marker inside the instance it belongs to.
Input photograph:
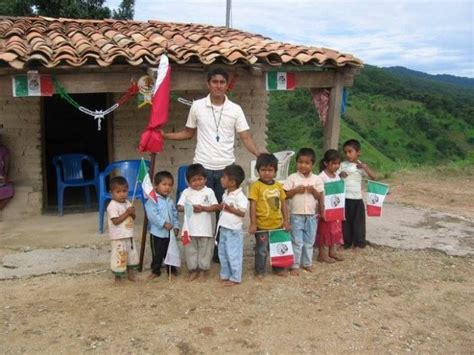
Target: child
(198, 253)
(304, 189)
(231, 242)
(163, 218)
(120, 216)
(268, 210)
(329, 234)
(352, 171)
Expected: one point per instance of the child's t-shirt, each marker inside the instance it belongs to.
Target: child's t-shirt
(303, 203)
(123, 230)
(200, 224)
(268, 198)
(235, 199)
(353, 181)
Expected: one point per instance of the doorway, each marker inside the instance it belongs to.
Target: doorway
(68, 130)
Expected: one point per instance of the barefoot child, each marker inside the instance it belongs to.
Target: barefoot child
(198, 253)
(120, 216)
(231, 238)
(163, 219)
(329, 234)
(353, 171)
(268, 210)
(304, 191)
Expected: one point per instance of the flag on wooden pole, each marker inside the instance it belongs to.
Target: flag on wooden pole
(281, 250)
(144, 179)
(334, 201)
(151, 140)
(280, 81)
(376, 193)
(173, 257)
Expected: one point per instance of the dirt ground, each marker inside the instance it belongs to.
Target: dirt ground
(379, 300)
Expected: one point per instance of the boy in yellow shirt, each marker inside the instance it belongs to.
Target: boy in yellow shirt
(268, 210)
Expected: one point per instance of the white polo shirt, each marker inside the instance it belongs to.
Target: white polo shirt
(353, 180)
(235, 199)
(215, 131)
(303, 203)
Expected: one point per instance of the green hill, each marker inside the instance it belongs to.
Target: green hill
(400, 118)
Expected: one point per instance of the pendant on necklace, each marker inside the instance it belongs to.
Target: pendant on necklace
(217, 138)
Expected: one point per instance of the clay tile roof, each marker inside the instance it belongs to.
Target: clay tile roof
(58, 41)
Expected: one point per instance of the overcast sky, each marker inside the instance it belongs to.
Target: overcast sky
(435, 37)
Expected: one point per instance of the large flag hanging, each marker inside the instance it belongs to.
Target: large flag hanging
(151, 140)
(172, 255)
(188, 213)
(144, 179)
(280, 81)
(32, 84)
(334, 201)
(376, 193)
(281, 251)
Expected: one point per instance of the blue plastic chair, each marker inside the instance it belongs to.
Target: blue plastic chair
(129, 170)
(69, 173)
(182, 183)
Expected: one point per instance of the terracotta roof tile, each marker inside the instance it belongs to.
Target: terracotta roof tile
(52, 42)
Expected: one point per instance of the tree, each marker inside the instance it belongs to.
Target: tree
(87, 9)
(125, 10)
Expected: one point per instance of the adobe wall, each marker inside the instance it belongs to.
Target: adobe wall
(21, 133)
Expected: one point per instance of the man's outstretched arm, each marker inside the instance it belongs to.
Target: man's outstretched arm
(249, 143)
(185, 134)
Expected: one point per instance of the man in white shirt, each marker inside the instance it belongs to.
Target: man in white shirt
(215, 119)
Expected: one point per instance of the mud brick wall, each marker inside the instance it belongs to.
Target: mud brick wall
(21, 133)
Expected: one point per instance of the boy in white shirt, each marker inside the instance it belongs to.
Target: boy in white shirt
(120, 216)
(353, 171)
(198, 252)
(231, 238)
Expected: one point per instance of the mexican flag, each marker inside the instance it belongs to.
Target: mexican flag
(144, 178)
(334, 201)
(32, 84)
(281, 251)
(280, 81)
(188, 213)
(151, 139)
(172, 255)
(376, 193)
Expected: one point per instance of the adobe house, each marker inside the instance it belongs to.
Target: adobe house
(95, 61)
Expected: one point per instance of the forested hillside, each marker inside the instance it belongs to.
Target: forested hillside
(400, 118)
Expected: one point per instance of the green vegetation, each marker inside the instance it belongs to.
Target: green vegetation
(82, 9)
(401, 120)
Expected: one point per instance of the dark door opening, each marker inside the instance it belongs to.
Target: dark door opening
(68, 130)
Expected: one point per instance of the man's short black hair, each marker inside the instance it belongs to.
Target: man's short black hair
(354, 143)
(162, 175)
(117, 181)
(306, 152)
(195, 170)
(217, 71)
(266, 159)
(236, 173)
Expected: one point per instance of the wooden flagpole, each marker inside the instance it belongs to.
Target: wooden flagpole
(145, 218)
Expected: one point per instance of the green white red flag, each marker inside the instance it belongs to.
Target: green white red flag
(151, 139)
(280, 81)
(376, 193)
(188, 213)
(144, 179)
(281, 251)
(334, 200)
(32, 84)
(173, 257)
